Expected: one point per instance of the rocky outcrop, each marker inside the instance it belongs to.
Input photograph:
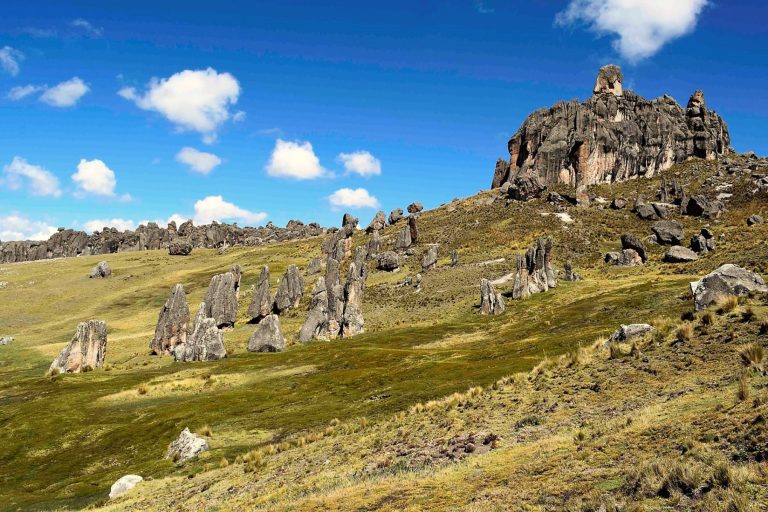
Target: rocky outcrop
(389, 261)
(180, 247)
(613, 136)
(668, 232)
(261, 304)
(429, 261)
(491, 302)
(679, 254)
(86, 350)
(186, 446)
(222, 296)
(172, 324)
(268, 336)
(101, 270)
(290, 290)
(123, 485)
(205, 341)
(727, 280)
(534, 272)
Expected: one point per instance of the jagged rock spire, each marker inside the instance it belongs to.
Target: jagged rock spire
(609, 80)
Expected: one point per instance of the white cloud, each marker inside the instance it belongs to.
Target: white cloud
(23, 91)
(198, 161)
(94, 177)
(352, 198)
(87, 26)
(642, 26)
(15, 227)
(65, 94)
(216, 208)
(99, 224)
(360, 162)
(197, 100)
(295, 160)
(239, 116)
(9, 60)
(40, 182)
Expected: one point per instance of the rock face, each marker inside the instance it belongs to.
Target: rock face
(123, 485)
(180, 247)
(429, 262)
(624, 258)
(613, 136)
(534, 272)
(101, 270)
(628, 332)
(222, 296)
(491, 302)
(290, 291)
(85, 351)
(389, 261)
(668, 232)
(205, 341)
(261, 304)
(187, 446)
(679, 254)
(172, 324)
(727, 280)
(267, 337)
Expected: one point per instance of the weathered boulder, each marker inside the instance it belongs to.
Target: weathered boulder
(205, 341)
(222, 296)
(6, 340)
(624, 258)
(180, 247)
(267, 337)
(395, 216)
(646, 211)
(261, 304)
(491, 302)
(186, 446)
(754, 219)
(630, 241)
(335, 290)
(172, 323)
(668, 232)
(414, 229)
(628, 332)
(403, 240)
(378, 222)
(700, 206)
(429, 261)
(123, 485)
(349, 220)
(290, 291)
(703, 242)
(454, 257)
(679, 254)
(85, 351)
(415, 207)
(315, 266)
(727, 280)
(534, 272)
(101, 270)
(389, 261)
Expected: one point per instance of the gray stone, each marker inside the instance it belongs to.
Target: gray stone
(395, 216)
(491, 302)
(568, 273)
(222, 297)
(454, 257)
(413, 228)
(315, 266)
(619, 203)
(429, 261)
(86, 350)
(290, 291)
(316, 324)
(267, 337)
(374, 245)
(415, 207)
(403, 240)
(6, 340)
(205, 341)
(754, 219)
(624, 258)
(534, 272)
(609, 81)
(389, 261)
(172, 323)
(123, 485)
(261, 304)
(101, 270)
(186, 446)
(628, 332)
(526, 187)
(668, 232)
(180, 247)
(378, 223)
(630, 241)
(679, 254)
(352, 319)
(727, 280)
(700, 206)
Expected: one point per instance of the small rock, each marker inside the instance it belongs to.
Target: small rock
(624, 258)
(679, 254)
(629, 331)
(123, 485)
(187, 446)
(619, 203)
(754, 219)
(101, 270)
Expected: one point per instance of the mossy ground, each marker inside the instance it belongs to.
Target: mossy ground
(67, 439)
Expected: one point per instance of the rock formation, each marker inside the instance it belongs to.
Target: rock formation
(628, 332)
(454, 257)
(630, 241)
(415, 207)
(624, 258)
(186, 446)
(727, 280)
(414, 229)
(403, 240)
(180, 247)
(534, 272)
(352, 317)
(389, 261)
(374, 245)
(378, 223)
(395, 216)
(568, 273)
(491, 302)
(315, 266)
(429, 261)
(704, 242)
(205, 341)
(85, 351)
(613, 136)
(172, 324)
(261, 304)
(754, 219)
(267, 337)
(668, 232)
(101, 270)
(221, 297)
(318, 313)
(290, 290)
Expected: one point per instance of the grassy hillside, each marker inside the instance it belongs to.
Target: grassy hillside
(343, 424)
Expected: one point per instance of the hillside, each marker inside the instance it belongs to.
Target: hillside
(434, 407)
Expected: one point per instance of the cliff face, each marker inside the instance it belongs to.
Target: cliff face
(67, 242)
(613, 136)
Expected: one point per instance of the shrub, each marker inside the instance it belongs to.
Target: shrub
(753, 357)
(707, 318)
(206, 431)
(684, 332)
(748, 314)
(142, 389)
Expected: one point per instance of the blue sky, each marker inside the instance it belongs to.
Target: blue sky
(279, 110)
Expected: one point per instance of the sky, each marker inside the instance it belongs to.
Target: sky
(119, 113)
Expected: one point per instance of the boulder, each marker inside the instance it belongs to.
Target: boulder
(222, 297)
(261, 304)
(609, 80)
(123, 485)
(374, 245)
(754, 219)
(415, 207)
(403, 240)
(205, 341)
(454, 257)
(628, 332)
(86, 350)
(101, 270)
(6, 340)
(378, 222)
(186, 446)
(703, 242)
(534, 272)
(619, 203)
(668, 232)
(524, 187)
(429, 261)
(180, 247)
(624, 258)
(315, 266)
(267, 337)
(646, 211)
(395, 216)
(290, 291)
(727, 280)
(679, 254)
(700, 206)
(491, 302)
(349, 220)
(172, 323)
(630, 241)
(389, 261)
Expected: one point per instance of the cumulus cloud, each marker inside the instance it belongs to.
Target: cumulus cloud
(22, 91)
(352, 198)
(39, 181)
(296, 160)
(198, 161)
(65, 94)
(239, 116)
(642, 26)
(87, 27)
(99, 224)
(9, 60)
(216, 208)
(16, 227)
(360, 162)
(94, 177)
(198, 100)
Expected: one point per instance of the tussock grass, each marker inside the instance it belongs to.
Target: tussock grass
(727, 305)
(684, 332)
